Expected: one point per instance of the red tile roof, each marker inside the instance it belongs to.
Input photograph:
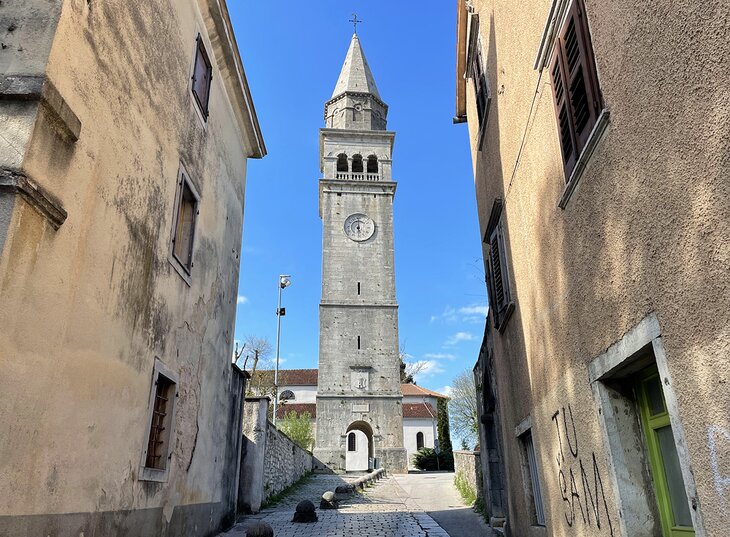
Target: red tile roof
(418, 410)
(298, 377)
(299, 408)
(412, 389)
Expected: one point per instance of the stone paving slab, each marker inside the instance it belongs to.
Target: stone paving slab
(379, 511)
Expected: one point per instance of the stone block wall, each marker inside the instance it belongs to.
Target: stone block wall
(468, 464)
(284, 462)
(270, 460)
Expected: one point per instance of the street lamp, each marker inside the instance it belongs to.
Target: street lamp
(284, 282)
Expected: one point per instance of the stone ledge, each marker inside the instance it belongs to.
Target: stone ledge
(17, 182)
(40, 88)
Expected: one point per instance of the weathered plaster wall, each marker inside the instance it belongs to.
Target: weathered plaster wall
(646, 231)
(467, 465)
(86, 309)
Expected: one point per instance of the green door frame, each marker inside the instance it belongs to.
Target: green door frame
(651, 423)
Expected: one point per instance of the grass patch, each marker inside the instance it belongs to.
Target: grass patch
(468, 494)
(276, 498)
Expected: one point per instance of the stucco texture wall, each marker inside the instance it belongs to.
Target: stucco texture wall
(647, 230)
(86, 309)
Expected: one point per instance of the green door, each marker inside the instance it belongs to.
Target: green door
(669, 489)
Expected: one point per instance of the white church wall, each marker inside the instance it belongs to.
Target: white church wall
(411, 427)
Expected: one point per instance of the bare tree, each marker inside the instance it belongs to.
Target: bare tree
(258, 350)
(463, 407)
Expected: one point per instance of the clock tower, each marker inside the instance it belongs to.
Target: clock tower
(359, 412)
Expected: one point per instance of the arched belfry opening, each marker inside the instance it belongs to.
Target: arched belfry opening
(359, 449)
(372, 164)
(342, 162)
(357, 164)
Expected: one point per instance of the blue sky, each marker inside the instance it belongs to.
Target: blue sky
(292, 53)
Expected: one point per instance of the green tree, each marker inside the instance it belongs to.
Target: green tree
(298, 427)
(464, 407)
(442, 424)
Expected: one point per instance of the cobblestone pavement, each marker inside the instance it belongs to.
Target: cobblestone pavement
(382, 510)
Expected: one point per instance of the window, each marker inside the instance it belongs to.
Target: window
(186, 213)
(372, 164)
(669, 487)
(478, 74)
(341, 162)
(202, 77)
(533, 478)
(286, 395)
(357, 164)
(577, 96)
(160, 424)
(500, 296)
(351, 445)
(419, 440)
(358, 342)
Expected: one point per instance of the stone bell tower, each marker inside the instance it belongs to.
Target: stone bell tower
(359, 411)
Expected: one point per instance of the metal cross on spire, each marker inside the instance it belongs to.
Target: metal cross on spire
(354, 21)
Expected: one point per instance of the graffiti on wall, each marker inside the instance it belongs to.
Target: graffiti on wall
(579, 478)
(718, 441)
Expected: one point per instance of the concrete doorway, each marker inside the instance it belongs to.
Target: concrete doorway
(358, 447)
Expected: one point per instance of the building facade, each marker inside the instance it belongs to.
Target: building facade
(298, 393)
(359, 362)
(599, 141)
(125, 132)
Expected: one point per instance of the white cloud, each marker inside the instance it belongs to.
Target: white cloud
(439, 356)
(446, 390)
(428, 368)
(458, 338)
(474, 309)
(241, 299)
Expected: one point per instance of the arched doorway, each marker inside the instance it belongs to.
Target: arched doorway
(358, 447)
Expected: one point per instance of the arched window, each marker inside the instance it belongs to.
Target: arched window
(341, 162)
(357, 164)
(286, 395)
(372, 164)
(351, 446)
(419, 440)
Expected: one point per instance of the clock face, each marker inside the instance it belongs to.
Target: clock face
(359, 227)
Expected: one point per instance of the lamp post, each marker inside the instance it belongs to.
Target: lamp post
(284, 282)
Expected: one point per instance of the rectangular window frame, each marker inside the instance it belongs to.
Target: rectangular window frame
(477, 71)
(147, 473)
(184, 267)
(501, 305)
(582, 145)
(531, 473)
(202, 102)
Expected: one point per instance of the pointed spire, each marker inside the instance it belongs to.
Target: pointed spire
(355, 75)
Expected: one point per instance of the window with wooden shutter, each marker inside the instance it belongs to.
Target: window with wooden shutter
(202, 77)
(155, 461)
(478, 73)
(184, 225)
(500, 296)
(577, 97)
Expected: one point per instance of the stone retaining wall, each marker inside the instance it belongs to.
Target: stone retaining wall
(468, 464)
(270, 460)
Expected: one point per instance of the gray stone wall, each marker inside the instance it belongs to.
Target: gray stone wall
(270, 460)
(284, 462)
(468, 464)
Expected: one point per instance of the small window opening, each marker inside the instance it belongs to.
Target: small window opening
(372, 164)
(357, 164)
(419, 440)
(358, 342)
(358, 288)
(187, 210)
(341, 162)
(159, 436)
(202, 77)
(351, 442)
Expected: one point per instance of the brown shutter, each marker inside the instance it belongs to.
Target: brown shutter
(496, 269)
(579, 69)
(563, 112)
